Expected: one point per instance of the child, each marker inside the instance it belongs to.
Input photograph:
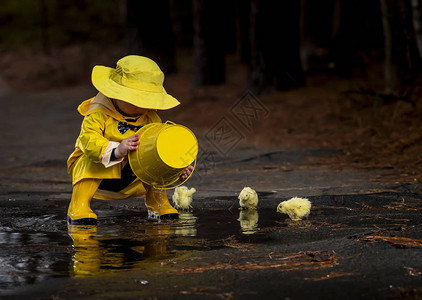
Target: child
(128, 99)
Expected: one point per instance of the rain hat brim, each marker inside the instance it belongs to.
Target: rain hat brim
(101, 79)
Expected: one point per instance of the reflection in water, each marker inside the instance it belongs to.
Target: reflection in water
(187, 224)
(30, 255)
(95, 254)
(86, 259)
(248, 219)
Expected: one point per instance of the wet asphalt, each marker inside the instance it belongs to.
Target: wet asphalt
(362, 239)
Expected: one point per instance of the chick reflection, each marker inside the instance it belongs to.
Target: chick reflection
(186, 225)
(248, 219)
(95, 254)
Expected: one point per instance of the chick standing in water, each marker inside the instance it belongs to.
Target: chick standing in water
(182, 197)
(296, 208)
(248, 198)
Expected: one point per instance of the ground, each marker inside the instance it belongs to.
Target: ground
(355, 157)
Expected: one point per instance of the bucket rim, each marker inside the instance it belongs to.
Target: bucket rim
(150, 179)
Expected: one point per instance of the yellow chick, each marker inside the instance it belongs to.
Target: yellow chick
(182, 197)
(248, 198)
(296, 208)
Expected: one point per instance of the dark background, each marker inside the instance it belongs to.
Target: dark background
(281, 42)
(340, 74)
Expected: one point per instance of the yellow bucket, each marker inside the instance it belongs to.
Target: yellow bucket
(164, 152)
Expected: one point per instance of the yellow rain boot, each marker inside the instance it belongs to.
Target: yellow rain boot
(158, 205)
(80, 212)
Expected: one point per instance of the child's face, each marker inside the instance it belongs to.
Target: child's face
(128, 109)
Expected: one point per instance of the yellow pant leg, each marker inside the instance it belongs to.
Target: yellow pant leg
(158, 205)
(80, 211)
(133, 190)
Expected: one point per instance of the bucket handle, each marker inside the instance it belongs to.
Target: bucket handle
(175, 186)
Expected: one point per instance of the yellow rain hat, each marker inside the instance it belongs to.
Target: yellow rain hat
(137, 80)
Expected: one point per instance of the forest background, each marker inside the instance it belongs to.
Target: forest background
(335, 74)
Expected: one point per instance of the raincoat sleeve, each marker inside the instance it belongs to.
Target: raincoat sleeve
(106, 157)
(91, 139)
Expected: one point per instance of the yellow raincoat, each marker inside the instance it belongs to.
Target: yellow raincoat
(99, 135)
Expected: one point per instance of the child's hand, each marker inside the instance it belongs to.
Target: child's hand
(128, 144)
(186, 173)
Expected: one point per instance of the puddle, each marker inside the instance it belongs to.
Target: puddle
(36, 244)
(46, 247)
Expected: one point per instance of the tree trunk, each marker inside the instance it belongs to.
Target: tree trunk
(132, 43)
(209, 42)
(402, 60)
(259, 78)
(149, 32)
(317, 20)
(275, 37)
(45, 37)
(243, 9)
(417, 23)
(390, 73)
